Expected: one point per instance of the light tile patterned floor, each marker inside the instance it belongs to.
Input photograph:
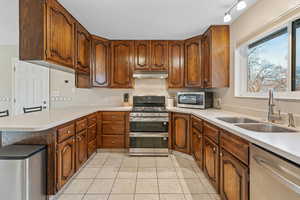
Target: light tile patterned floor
(116, 176)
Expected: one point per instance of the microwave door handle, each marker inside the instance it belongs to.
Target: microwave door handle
(278, 172)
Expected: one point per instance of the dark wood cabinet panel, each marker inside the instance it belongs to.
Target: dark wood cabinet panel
(181, 138)
(159, 55)
(206, 61)
(211, 162)
(113, 141)
(65, 131)
(83, 49)
(83, 80)
(193, 69)
(65, 161)
(122, 64)
(211, 132)
(100, 61)
(81, 124)
(81, 149)
(197, 147)
(92, 147)
(176, 64)
(234, 179)
(141, 55)
(92, 132)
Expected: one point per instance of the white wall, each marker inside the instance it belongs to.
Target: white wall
(256, 17)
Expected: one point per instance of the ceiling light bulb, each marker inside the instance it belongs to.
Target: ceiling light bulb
(227, 17)
(241, 5)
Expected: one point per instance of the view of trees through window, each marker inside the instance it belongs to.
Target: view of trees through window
(268, 63)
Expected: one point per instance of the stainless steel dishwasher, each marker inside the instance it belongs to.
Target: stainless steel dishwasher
(23, 172)
(272, 177)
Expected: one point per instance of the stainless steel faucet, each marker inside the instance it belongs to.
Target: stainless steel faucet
(272, 117)
(291, 120)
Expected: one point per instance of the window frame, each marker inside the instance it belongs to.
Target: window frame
(240, 61)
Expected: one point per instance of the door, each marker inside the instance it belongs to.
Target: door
(181, 133)
(65, 161)
(60, 43)
(206, 63)
(233, 178)
(176, 64)
(159, 55)
(197, 146)
(193, 69)
(81, 149)
(211, 162)
(31, 86)
(101, 62)
(83, 50)
(122, 64)
(141, 55)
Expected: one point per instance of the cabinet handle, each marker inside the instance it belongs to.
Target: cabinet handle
(113, 142)
(214, 149)
(79, 138)
(221, 154)
(69, 132)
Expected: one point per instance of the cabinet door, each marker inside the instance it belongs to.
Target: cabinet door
(122, 57)
(60, 35)
(211, 162)
(159, 55)
(206, 57)
(176, 64)
(193, 69)
(141, 55)
(101, 62)
(83, 45)
(234, 184)
(181, 133)
(197, 146)
(65, 161)
(81, 149)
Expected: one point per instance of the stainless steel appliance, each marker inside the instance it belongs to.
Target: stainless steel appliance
(149, 124)
(272, 177)
(200, 100)
(23, 172)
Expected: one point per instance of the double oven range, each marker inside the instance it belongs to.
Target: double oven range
(149, 123)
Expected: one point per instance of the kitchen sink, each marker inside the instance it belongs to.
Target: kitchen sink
(237, 120)
(267, 128)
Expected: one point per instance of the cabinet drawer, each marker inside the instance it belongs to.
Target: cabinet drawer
(81, 125)
(197, 124)
(92, 132)
(113, 128)
(64, 132)
(113, 141)
(92, 119)
(235, 145)
(92, 147)
(211, 132)
(113, 116)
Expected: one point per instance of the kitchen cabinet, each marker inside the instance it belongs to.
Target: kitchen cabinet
(215, 56)
(122, 64)
(100, 62)
(159, 55)
(83, 47)
(193, 75)
(181, 137)
(176, 64)
(142, 55)
(197, 147)
(81, 149)
(47, 34)
(82, 80)
(92, 134)
(234, 178)
(65, 161)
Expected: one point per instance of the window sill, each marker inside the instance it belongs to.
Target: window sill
(292, 96)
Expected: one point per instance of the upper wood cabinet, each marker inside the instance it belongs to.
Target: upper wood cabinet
(181, 136)
(193, 69)
(215, 56)
(47, 33)
(83, 48)
(176, 64)
(122, 64)
(141, 55)
(159, 55)
(100, 62)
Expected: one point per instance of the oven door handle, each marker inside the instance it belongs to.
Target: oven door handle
(149, 134)
(149, 120)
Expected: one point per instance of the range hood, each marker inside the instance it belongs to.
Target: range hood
(150, 75)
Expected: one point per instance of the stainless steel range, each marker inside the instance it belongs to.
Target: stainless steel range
(149, 123)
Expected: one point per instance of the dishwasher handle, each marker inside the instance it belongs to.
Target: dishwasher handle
(280, 173)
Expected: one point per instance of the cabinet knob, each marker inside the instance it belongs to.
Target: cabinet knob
(69, 132)
(214, 149)
(113, 142)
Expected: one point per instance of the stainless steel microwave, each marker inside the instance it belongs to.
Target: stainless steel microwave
(200, 100)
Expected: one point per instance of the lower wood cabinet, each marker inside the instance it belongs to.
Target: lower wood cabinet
(197, 147)
(211, 162)
(234, 178)
(81, 149)
(65, 161)
(181, 135)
